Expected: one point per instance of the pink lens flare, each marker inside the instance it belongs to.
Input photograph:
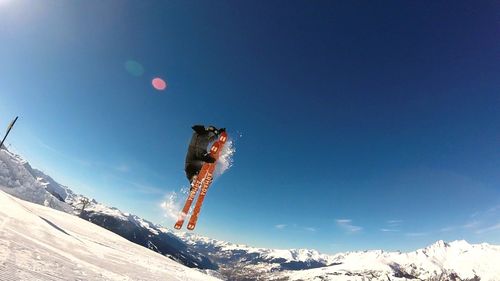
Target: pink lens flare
(159, 84)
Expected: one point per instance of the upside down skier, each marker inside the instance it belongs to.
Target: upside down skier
(199, 160)
(197, 154)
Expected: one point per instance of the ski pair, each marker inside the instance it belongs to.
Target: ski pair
(203, 180)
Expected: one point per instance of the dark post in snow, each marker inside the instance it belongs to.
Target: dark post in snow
(8, 131)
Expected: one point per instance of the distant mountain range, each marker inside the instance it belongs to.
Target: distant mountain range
(457, 260)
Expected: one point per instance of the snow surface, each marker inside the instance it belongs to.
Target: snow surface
(39, 243)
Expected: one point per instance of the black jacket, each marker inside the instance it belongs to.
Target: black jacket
(197, 152)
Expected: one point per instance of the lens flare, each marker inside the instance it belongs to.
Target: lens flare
(159, 84)
(134, 68)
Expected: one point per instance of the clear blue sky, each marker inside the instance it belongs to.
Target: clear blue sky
(364, 125)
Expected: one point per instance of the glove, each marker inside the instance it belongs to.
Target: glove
(208, 159)
(222, 130)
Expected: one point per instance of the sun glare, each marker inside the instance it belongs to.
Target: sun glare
(4, 2)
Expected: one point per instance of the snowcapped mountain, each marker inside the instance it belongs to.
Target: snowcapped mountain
(457, 260)
(18, 178)
(241, 262)
(39, 243)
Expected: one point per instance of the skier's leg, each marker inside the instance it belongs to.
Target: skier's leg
(192, 170)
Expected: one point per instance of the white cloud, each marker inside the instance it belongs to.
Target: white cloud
(280, 226)
(311, 229)
(416, 234)
(447, 229)
(487, 212)
(488, 229)
(391, 226)
(477, 221)
(122, 168)
(471, 224)
(61, 154)
(389, 230)
(493, 209)
(148, 189)
(347, 225)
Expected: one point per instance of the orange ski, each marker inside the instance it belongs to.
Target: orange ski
(195, 185)
(204, 188)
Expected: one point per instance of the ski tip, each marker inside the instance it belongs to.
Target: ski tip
(177, 226)
(190, 226)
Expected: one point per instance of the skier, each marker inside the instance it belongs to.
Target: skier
(200, 163)
(197, 153)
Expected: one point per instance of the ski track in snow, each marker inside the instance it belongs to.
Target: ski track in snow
(39, 243)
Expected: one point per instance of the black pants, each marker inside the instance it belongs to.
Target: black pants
(193, 168)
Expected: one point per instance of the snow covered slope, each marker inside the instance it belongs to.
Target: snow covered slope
(18, 178)
(39, 243)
